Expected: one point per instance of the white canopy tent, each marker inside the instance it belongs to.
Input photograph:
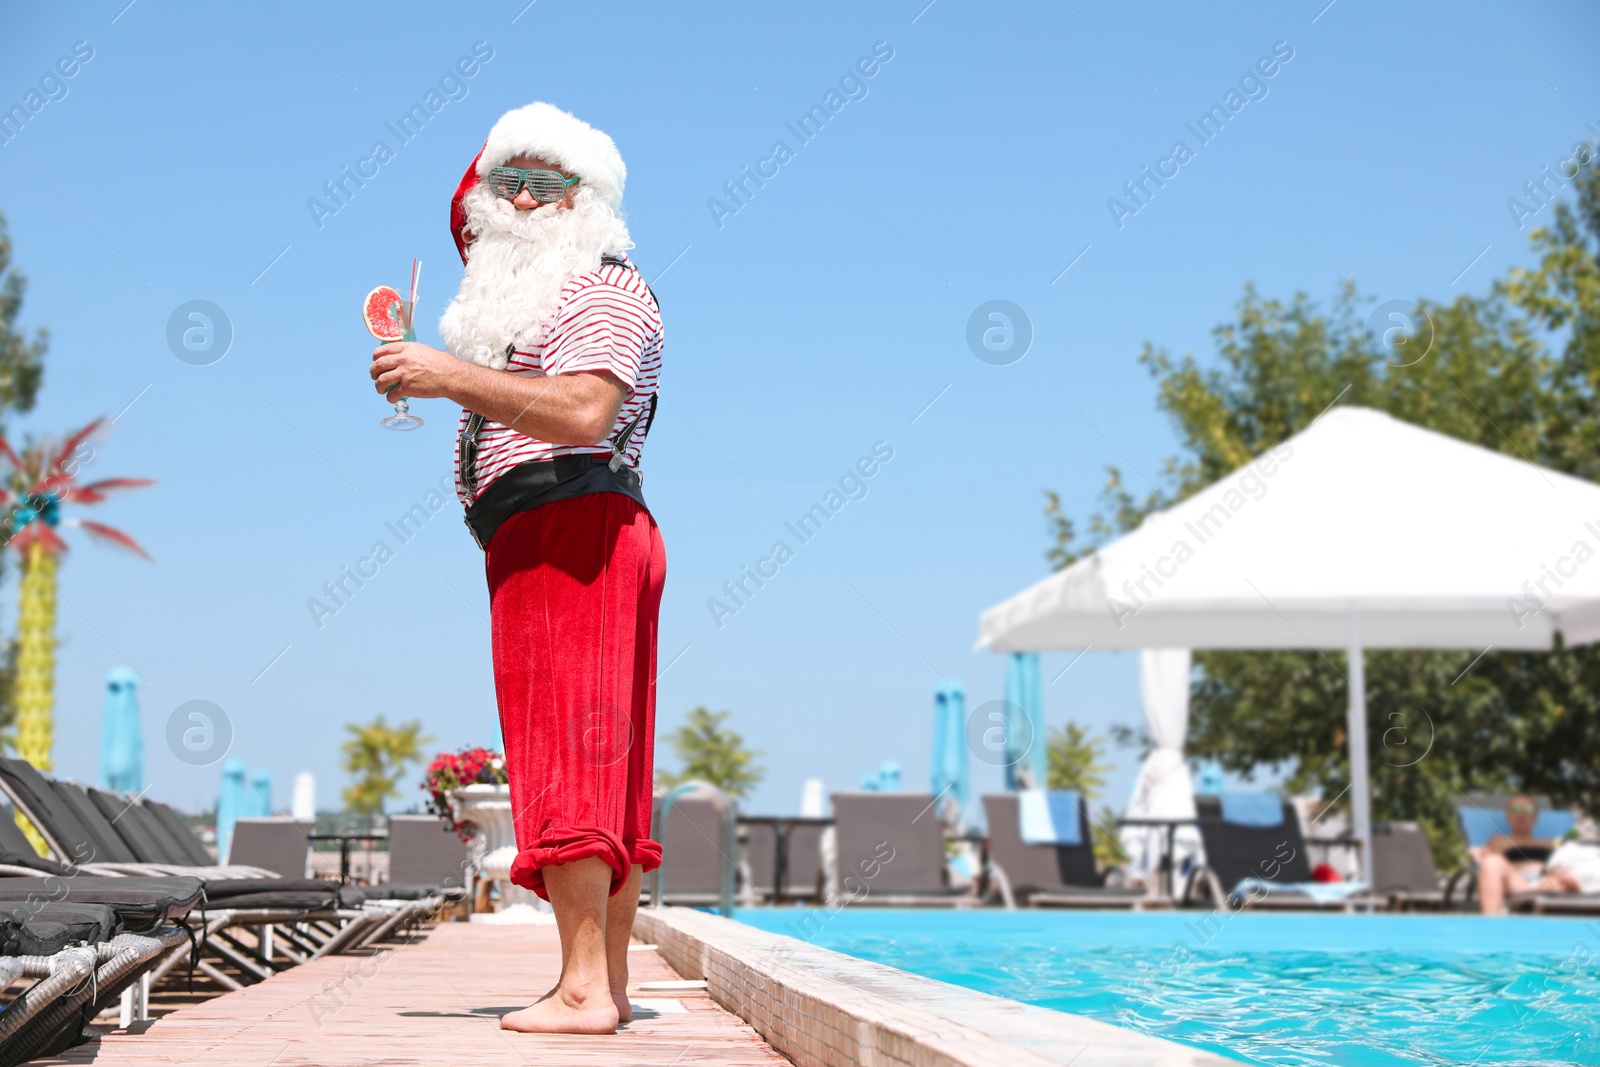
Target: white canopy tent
(1362, 531)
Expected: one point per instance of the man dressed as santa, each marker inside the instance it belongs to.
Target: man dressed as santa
(554, 354)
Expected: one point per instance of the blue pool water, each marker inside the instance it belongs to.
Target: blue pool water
(1278, 989)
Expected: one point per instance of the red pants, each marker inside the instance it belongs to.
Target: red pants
(574, 592)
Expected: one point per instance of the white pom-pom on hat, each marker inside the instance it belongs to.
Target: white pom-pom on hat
(558, 137)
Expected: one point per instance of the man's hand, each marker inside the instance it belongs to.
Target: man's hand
(407, 368)
(568, 409)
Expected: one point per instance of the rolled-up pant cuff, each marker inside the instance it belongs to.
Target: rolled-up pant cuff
(570, 846)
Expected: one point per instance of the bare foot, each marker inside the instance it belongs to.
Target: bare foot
(565, 1012)
(624, 1007)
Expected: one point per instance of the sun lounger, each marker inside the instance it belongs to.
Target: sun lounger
(889, 850)
(64, 819)
(144, 906)
(74, 822)
(276, 844)
(1484, 817)
(305, 917)
(273, 850)
(281, 845)
(428, 863)
(693, 852)
(1403, 872)
(141, 903)
(1256, 857)
(424, 852)
(55, 944)
(35, 796)
(1054, 875)
(115, 968)
(428, 866)
(84, 955)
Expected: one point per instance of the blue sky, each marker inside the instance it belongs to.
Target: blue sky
(829, 313)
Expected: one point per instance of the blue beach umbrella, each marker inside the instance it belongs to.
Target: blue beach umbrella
(230, 805)
(886, 779)
(1025, 741)
(121, 738)
(889, 776)
(950, 750)
(258, 801)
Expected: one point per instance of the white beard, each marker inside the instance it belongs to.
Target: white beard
(517, 265)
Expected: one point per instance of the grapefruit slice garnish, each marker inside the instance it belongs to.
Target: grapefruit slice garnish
(380, 311)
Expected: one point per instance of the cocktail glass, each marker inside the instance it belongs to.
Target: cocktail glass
(402, 419)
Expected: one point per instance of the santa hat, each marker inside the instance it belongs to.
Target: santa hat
(546, 131)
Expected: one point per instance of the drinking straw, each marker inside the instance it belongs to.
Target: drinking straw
(416, 272)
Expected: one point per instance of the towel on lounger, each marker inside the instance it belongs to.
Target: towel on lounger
(1049, 817)
(1579, 860)
(1319, 892)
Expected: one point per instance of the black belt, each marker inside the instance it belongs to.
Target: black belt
(544, 481)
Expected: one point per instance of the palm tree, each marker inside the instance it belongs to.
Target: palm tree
(1075, 760)
(44, 477)
(714, 753)
(378, 754)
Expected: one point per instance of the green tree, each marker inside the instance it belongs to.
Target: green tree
(1075, 760)
(711, 752)
(377, 755)
(21, 369)
(21, 357)
(1511, 721)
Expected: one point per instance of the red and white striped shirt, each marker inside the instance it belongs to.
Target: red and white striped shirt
(604, 320)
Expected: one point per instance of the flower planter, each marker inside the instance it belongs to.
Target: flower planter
(494, 846)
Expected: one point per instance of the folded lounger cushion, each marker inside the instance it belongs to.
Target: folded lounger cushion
(280, 900)
(303, 894)
(34, 929)
(228, 888)
(141, 903)
(297, 894)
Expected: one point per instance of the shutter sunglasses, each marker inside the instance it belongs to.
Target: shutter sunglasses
(547, 186)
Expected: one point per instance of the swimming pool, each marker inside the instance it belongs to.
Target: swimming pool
(1276, 989)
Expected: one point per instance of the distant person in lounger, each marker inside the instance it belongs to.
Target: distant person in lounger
(1518, 862)
(554, 351)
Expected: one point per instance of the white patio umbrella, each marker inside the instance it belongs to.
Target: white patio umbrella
(1362, 531)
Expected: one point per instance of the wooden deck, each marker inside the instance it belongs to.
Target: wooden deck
(434, 1001)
